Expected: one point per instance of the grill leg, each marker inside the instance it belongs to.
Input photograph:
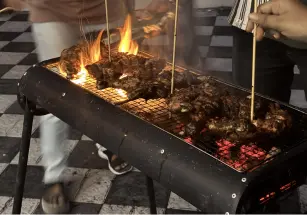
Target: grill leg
(23, 159)
(151, 195)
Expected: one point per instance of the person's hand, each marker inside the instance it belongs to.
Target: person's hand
(286, 17)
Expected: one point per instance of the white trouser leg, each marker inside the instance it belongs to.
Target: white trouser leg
(51, 39)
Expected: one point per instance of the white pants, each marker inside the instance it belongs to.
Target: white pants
(51, 38)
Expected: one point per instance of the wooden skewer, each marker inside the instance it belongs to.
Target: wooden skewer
(254, 65)
(108, 29)
(174, 46)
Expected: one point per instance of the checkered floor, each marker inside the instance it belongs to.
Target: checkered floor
(93, 188)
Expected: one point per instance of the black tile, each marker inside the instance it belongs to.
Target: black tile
(89, 159)
(14, 109)
(73, 134)
(175, 211)
(8, 148)
(219, 52)
(27, 47)
(33, 185)
(29, 29)
(203, 40)
(20, 17)
(31, 59)
(5, 68)
(130, 189)
(204, 21)
(222, 31)
(9, 36)
(8, 86)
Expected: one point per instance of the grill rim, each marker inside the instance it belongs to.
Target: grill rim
(198, 73)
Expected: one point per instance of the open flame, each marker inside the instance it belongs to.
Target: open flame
(127, 45)
(92, 53)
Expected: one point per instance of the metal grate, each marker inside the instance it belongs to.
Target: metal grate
(243, 157)
(114, 96)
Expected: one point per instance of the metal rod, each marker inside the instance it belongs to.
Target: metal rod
(174, 46)
(23, 159)
(108, 28)
(254, 65)
(151, 195)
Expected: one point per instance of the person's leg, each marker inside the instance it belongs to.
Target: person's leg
(274, 70)
(51, 39)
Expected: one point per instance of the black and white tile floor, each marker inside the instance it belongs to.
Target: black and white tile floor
(94, 189)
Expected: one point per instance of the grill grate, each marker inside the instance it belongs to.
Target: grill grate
(243, 157)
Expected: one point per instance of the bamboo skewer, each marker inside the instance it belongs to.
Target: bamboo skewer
(254, 65)
(174, 46)
(108, 29)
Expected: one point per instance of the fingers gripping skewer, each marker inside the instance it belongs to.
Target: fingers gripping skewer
(108, 28)
(254, 65)
(174, 46)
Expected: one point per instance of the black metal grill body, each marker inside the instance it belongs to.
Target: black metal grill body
(195, 175)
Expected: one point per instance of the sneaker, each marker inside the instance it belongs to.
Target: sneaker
(116, 165)
(54, 200)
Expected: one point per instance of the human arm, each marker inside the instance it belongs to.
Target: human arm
(288, 18)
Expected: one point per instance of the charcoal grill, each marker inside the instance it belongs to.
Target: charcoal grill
(194, 172)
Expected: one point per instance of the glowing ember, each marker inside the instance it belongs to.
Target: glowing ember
(121, 92)
(127, 45)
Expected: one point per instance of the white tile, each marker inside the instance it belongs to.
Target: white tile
(203, 51)
(212, 3)
(221, 21)
(116, 209)
(3, 43)
(176, 202)
(16, 72)
(84, 137)
(222, 41)
(4, 203)
(3, 167)
(11, 58)
(6, 101)
(74, 178)
(218, 64)
(298, 98)
(24, 37)
(95, 187)
(11, 125)
(296, 70)
(28, 206)
(302, 193)
(35, 155)
(145, 210)
(203, 30)
(12, 26)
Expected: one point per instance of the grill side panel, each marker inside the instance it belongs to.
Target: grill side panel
(198, 177)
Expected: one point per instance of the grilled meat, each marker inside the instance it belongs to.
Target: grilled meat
(70, 60)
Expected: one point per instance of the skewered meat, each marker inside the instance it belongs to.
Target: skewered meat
(70, 60)
(232, 130)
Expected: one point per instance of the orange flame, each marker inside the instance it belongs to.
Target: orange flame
(81, 76)
(127, 45)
